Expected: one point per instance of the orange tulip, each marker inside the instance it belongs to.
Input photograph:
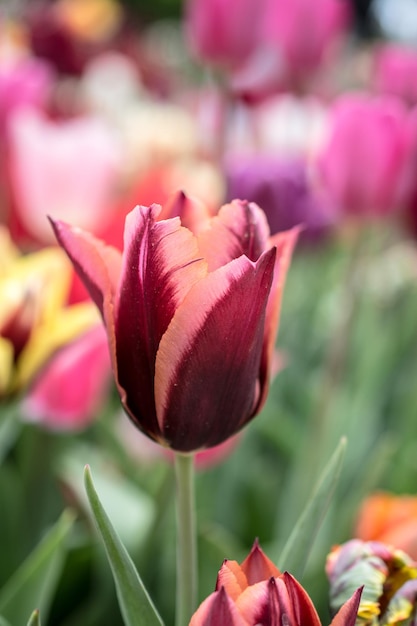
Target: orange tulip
(390, 519)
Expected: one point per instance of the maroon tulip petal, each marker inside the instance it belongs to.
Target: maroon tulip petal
(217, 610)
(257, 566)
(267, 603)
(98, 266)
(161, 262)
(303, 607)
(208, 362)
(285, 243)
(239, 228)
(348, 613)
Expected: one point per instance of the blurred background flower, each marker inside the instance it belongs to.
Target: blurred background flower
(389, 577)
(390, 519)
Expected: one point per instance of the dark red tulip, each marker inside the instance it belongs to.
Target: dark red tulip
(191, 320)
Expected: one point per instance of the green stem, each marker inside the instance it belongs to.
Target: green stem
(186, 539)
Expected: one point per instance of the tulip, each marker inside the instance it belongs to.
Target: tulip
(364, 131)
(34, 321)
(389, 577)
(23, 83)
(294, 41)
(282, 188)
(264, 45)
(255, 593)
(69, 389)
(390, 519)
(191, 320)
(395, 72)
(46, 171)
(304, 32)
(220, 31)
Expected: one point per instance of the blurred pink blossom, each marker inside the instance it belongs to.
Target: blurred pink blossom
(266, 45)
(222, 32)
(69, 168)
(395, 72)
(304, 31)
(71, 388)
(23, 82)
(365, 160)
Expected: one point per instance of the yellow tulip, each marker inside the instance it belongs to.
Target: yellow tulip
(34, 318)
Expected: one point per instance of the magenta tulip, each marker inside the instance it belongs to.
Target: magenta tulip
(46, 171)
(191, 320)
(70, 389)
(395, 72)
(222, 31)
(365, 161)
(305, 31)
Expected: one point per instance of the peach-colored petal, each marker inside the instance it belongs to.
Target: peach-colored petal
(390, 519)
(232, 578)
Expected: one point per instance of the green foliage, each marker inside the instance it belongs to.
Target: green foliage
(297, 549)
(135, 603)
(34, 583)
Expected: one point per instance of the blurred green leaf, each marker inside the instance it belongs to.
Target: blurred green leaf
(10, 427)
(34, 583)
(135, 604)
(296, 551)
(35, 619)
(130, 508)
(3, 622)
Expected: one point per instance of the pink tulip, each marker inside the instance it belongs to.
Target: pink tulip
(222, 31)
(266, 45)
(191, 321)
(23, 83)
(304, 31)
(71, 168)
(395, 72)
(365, 160)
(70, 389)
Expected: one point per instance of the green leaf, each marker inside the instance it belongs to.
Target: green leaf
(35, 619)
(296, 551)
(10, 427)
(34, 583)
(3, 622)
(135, 604)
